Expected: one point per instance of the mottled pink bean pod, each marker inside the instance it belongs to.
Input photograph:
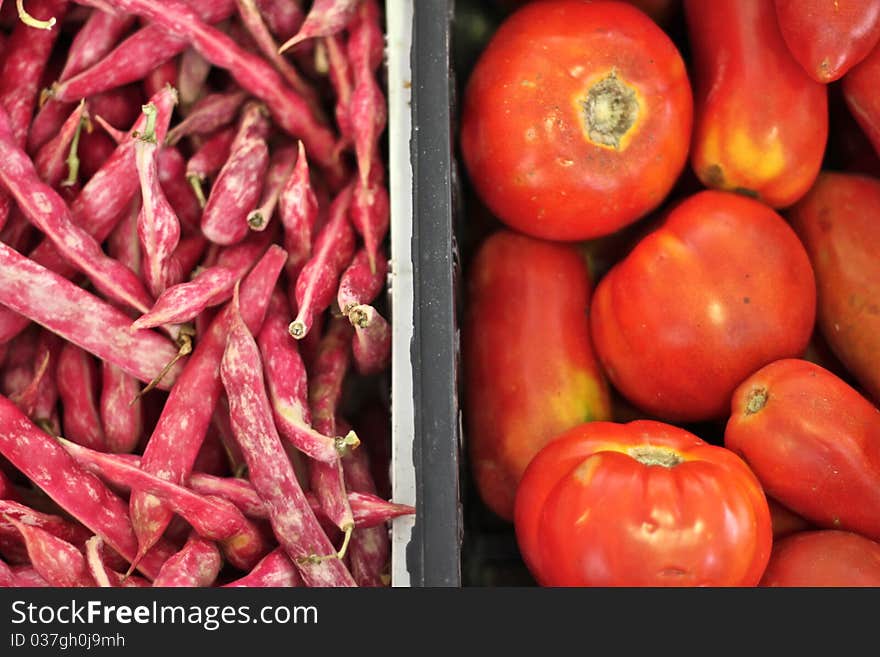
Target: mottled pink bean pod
(208, 160)
(122, 418)
(283, 18)
(45, 412)
(269, 469)
(325, 389)
(288, 388)
(77, 377)
(298, 211)
(325, 17)
(275, 570)
(7, 577)
(209, 114)
(318, 281)
(371, 344)
(371, 213)
(370, 548)
(368, 109)
(280, 169)
(290, 111)
(25, 397)
(93, 40)
(57, 526)
(83, 319)
(211, 286)
(78, 492)
(196, 565)
(177, 437)
(342, 79)
(252, 20)
(51, 160)
(212, 517)
(186, 258)
(24, 61)
(236, 191)
(172, 177)
(100, 573)
(191, 76)
(57, 561)
(137, 55)
(359, 284)
(158, 225)
(28, 577)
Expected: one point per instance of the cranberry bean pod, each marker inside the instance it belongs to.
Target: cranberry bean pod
(175, 442)
(208, 160)
(209, 114)
(368, 110)
(280, 168)
(196, 565)
(185, 259)
(325, 17)
(325, 389)
(290, 111)
(342, 79)
(237, 188)
(7, 577)
(269, 469)
(77, 384)
(370, 548)
(137, 55)
(57, 526)
(57, 561)
(253, 22)
(288, 388)
(123, 243)
(51, 159)
(104, 577)
(371, 345)
(158, 225)
(26, 397)
(192, 74)
(318, 281)
(80, 317)
(283, 18)
(78, 492)
(359, 284)
(212, 517)
(371, 213)
(298, 211)
(172, 177)
(28, 577)
(211, 286)
(45, 409)
(275, 570)
(122, 419)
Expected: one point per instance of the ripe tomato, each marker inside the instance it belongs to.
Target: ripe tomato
(829, 38)
(641, 504)
(785, 521)
(824, 558)
(860, 92)
(529, 368)
(837, 223)
(576, 118)
(721, 288)
(761, 123)
(813, 442)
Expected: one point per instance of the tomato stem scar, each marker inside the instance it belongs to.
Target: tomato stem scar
(655, 455)
(610, 110)
(756, 401)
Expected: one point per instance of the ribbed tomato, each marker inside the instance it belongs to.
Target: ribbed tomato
(824, 558)
(641, 504)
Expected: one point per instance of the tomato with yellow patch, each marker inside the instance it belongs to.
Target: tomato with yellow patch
(529, 368)
(760, 122)
(641, 504)
(576, 119)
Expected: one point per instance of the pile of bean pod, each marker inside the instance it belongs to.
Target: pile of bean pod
(194, 340)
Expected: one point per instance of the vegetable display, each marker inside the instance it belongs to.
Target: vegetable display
(671, 304)
(186, 194)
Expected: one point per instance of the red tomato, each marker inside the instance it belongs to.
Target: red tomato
(530, 372)
(824, 558)
(785, 521)
(641, 504)
(860, 91)
(813, 442)
(576, 119)
(837, 223)
(761, 123)
(721, 288)
(829, 38)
